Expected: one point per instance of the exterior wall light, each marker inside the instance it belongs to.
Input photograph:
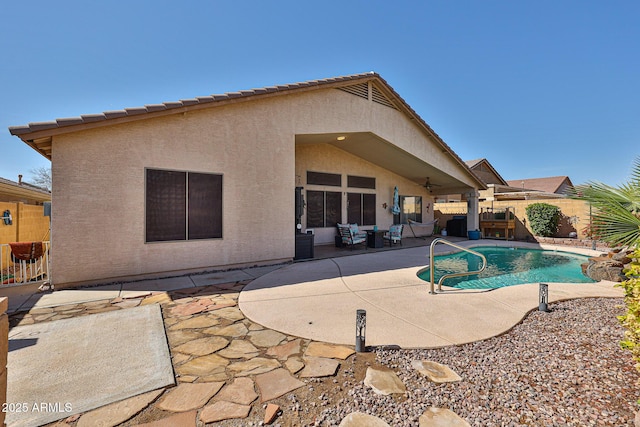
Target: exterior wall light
(6, 217)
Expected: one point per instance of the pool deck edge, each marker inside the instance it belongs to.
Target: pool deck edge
(318, 300)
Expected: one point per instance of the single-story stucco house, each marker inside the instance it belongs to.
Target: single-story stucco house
(210, 183)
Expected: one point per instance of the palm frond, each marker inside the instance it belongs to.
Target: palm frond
(616, 217)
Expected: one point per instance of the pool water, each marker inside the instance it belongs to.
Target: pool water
(508, 267)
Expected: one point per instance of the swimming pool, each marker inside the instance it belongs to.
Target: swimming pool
(508, 266)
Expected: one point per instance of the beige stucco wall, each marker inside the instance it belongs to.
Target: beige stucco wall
(329, 159)
(98, 209)
(98, 189)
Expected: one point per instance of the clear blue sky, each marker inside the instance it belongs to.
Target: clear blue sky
(539, 88)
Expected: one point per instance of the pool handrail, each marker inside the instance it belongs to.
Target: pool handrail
(432, 265)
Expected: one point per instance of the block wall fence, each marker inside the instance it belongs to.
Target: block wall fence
(575, 215)
(29, 223)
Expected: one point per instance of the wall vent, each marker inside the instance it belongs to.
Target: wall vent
(361, 90)
(377, 96)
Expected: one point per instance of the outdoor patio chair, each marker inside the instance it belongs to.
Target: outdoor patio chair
(394, 235)
(351, 237)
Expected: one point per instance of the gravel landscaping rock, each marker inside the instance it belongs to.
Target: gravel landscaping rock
(562, 368)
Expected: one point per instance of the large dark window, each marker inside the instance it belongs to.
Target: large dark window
(361, 208)
(324, 208)
(182, 205)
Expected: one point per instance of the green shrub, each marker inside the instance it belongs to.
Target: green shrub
(543, 219)
(631, 320)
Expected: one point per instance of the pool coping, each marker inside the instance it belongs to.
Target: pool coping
(318, 300)
(509, 244)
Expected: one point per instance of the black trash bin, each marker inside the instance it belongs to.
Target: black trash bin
(304, 246)
(457, 226)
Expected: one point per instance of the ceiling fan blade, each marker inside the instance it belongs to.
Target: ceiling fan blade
(428, 184)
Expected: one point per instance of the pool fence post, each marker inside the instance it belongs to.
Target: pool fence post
(544, 297)
(361, 326)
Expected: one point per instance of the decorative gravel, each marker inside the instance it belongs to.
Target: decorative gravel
(561, 368)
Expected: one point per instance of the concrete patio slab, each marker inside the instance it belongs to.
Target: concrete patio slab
(18, 295)
(74, 365)
(323, 296)
(261, 271)
(71, 296)
(131, 289)
(217, 278)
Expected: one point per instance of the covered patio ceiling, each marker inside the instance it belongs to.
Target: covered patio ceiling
(380, 152)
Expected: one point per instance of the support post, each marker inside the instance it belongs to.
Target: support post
(473, 211)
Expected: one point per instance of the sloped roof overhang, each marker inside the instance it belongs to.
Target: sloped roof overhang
(374, 149)
(11, 190)
(39, 135)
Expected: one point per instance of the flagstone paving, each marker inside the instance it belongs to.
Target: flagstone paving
(358, 419)
(315, 367)
(436, 372)
(226, 366)
(118, 412)
(441, 417)
(186, 396)
(384, 382)
(276, 383)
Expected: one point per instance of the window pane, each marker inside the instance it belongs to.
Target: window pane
(321, 178)
(354, 208)
(205, 206)
(411, 209)
(361, 182)
(165, 205)
(418, 211)
(315, 209)
(368, 209)
(333, 211)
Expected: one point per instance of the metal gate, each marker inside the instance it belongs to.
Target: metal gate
(24, 262)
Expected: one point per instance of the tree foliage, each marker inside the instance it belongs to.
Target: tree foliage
(41, 176)
(543, 219)
(631, 319)
(616, 210)
(616, 220)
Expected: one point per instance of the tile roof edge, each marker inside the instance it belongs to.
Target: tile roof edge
(169, 105)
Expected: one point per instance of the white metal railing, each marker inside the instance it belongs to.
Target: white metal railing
(15, 271)
(432, 265)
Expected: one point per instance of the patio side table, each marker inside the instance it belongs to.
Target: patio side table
(374, 238)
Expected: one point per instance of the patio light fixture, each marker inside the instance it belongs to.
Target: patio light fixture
(341, 138)
(361, 325)
(544, 297)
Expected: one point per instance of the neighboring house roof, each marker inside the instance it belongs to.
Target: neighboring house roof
(554, 184)
(39, 135)
(485, 171)
(11, 191)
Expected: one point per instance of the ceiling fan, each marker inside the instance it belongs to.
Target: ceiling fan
(428, 185)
